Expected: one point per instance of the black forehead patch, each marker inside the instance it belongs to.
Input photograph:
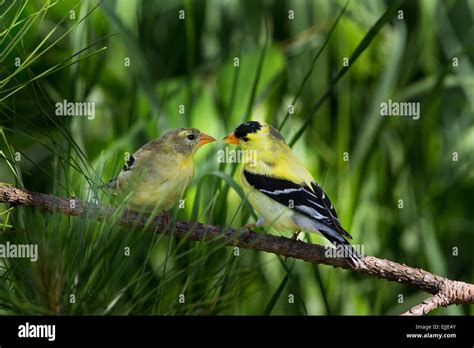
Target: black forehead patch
(246, 128)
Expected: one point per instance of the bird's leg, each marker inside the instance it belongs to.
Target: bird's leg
(249, 226)
(166, 218)
(295, 235)
(259, 223)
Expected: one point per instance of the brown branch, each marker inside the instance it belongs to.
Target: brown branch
(446, 292)
(433, 302)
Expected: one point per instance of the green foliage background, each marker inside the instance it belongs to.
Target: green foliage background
(82, 55)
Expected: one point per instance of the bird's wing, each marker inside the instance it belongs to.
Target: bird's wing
(129, 164)
(311, 202)
(142, 164)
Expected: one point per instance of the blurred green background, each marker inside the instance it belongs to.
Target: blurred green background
(138, 61)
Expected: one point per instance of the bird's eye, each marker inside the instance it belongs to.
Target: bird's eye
(191, 137)
(245, 139)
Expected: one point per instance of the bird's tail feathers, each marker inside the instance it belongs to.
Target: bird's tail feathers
(344, 232)
(340, 242)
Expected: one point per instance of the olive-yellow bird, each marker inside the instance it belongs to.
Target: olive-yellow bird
(156, 175)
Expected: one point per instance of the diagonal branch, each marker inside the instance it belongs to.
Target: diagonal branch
(446, 292)
(433, 302)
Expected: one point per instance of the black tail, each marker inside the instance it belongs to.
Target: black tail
(343, 246)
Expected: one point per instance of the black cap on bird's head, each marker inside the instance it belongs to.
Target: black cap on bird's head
(251, 130)
(247, 127)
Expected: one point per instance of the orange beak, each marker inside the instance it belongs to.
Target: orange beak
(205, 139)
(231, 139)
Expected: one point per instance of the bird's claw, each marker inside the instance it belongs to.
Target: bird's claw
(248, 227)
(295, 235)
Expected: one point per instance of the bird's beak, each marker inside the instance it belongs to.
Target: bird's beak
(205, 139)
(231, 139)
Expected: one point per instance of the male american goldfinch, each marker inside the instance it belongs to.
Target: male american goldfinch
(281, 189)
(157, 174)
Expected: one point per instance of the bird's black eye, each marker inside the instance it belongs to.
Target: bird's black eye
(245, 139)
(191, 136)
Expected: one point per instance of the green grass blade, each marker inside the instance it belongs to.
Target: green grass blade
(313, 64)
(371, 34)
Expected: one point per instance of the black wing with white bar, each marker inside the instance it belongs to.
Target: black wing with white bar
(313, 203)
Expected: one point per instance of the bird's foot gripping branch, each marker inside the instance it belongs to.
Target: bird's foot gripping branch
(445, 291)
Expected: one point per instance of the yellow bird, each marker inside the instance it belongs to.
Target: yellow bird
(281, 189)
(157, 175)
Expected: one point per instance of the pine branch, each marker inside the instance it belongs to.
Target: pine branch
(446, 292)
(429, 304)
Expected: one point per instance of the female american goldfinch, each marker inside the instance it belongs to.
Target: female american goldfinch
(281, 189)
(156, 176)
